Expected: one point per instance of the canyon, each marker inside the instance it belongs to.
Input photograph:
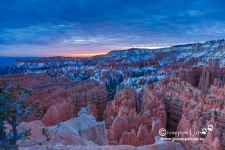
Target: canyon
(122, 99)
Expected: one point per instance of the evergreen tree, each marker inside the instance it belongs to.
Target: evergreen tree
(13, 111)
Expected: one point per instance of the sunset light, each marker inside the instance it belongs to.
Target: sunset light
(81, 55)
(83, 28)
(112, 75)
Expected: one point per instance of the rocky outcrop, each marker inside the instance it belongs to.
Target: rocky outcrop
(31, 82)
(60, 99)
(61, 104)
(201, 76)
(195, 125)
(133, 120)
(58, 113)
(210, 74)
(191, 76)
(190, 110)
(82, 130)
(156, 146)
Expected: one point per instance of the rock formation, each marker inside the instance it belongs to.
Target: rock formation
(59, 99)
(63, 103)
(210, 74)
(194, 110)
(156, 146)
(82, 130)
(189, 95)
(133, 120)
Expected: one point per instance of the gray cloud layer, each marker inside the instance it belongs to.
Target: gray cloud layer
(108, 24)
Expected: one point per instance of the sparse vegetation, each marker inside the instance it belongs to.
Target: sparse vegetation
(45, 132)
(13, 112)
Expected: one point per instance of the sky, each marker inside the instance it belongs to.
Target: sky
(91, 27)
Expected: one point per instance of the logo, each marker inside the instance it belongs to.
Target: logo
(210, 127)
(162, 132)
(205, 130)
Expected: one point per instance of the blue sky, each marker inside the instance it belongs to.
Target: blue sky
(88, 27)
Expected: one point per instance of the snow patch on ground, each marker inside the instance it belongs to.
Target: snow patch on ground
(138, 82)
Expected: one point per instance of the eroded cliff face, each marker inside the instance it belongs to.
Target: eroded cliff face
(120, 66)
(83, 132)
(60, 99)
(134, 120)
(63, 103)
(190, 110)
(188, 101)
(66, 102)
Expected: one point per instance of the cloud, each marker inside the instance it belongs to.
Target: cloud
(111, 23)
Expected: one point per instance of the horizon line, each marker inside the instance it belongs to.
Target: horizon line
(87, 55)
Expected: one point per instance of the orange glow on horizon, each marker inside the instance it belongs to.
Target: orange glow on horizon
(82, 55)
